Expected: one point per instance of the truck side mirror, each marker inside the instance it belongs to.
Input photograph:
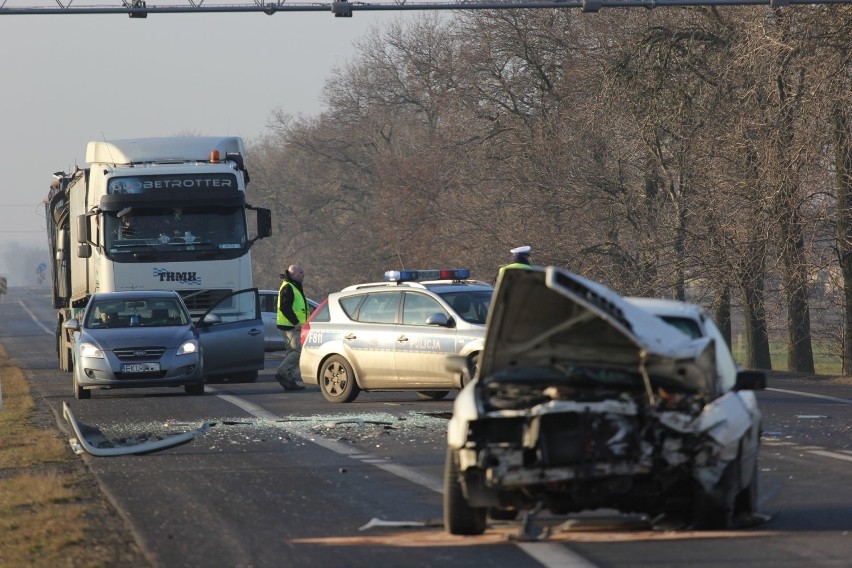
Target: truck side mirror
(83, 229)
(84, 250)
(264, 223)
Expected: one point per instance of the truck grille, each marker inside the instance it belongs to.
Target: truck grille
(140, 353)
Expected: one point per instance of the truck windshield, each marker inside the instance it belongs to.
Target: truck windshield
(175, 229)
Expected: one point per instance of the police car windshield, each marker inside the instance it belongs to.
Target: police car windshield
(470, 305)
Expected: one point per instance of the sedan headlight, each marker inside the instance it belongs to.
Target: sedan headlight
(91, 350)
(188, 347)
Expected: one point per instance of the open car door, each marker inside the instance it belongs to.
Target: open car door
(231, 336)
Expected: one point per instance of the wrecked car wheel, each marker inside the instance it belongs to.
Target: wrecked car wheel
(715, 510)
(337, 380)
(459, 517)
(746, 501)
(432, 395)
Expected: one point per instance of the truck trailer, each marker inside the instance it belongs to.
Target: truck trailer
(151, 214)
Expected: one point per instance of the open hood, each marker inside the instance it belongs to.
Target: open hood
(546, 317)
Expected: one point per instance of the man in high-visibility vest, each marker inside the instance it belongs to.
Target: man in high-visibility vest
(520, 259)
(292, 313)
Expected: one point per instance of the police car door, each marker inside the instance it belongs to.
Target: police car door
(370, 341)
(422, 348)
(231, 335)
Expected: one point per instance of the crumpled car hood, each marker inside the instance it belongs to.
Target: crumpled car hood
(544, 316)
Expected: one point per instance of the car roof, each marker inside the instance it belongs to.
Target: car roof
(437, 286)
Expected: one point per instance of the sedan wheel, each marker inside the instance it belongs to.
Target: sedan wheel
(79, 392)
(337, 380)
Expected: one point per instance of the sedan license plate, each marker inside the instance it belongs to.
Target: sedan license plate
(140, 367)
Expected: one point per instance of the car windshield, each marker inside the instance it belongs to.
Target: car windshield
(137, 312)
(471, 306)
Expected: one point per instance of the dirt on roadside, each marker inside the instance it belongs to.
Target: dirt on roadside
(79, 526)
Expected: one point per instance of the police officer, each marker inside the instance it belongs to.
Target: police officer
(520, 259)
(292, 313)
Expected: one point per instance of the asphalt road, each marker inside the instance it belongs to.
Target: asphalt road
(287, 479)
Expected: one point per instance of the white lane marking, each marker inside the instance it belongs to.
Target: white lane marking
(845, 455)
(551, 554)
(811, 395)
(548, 554)
(35, 319)
(833, 455)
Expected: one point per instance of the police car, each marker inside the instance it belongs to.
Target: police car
(396, 335)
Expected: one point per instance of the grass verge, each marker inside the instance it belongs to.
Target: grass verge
(48, 500)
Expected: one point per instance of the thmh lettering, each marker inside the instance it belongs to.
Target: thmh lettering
(177, 276)
(188, 277)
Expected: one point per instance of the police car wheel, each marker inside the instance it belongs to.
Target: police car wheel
(337, 380)
(432, 395)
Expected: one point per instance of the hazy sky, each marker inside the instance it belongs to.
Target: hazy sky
(73, 78)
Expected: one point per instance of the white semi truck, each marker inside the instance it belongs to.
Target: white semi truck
(152, 214)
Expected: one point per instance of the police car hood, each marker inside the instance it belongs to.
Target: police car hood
(547, 317)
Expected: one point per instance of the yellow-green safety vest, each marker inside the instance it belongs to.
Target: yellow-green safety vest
(514, 265)
(300, 307)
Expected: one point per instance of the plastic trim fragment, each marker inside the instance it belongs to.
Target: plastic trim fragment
(80, 444)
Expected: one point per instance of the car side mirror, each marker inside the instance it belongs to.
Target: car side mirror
(212, 319)
(72, 325)
(750, 380)
(440, 319)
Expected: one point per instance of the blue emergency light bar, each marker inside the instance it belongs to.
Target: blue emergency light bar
(412, 275)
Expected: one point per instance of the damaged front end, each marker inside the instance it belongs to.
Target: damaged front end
(619, 452)
(586, 402)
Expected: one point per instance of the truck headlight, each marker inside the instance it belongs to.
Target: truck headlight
(90, 350)
(188, 347)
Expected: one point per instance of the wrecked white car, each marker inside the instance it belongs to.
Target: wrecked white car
(584, 401)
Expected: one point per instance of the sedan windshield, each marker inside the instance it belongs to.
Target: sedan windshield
(137, 312)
